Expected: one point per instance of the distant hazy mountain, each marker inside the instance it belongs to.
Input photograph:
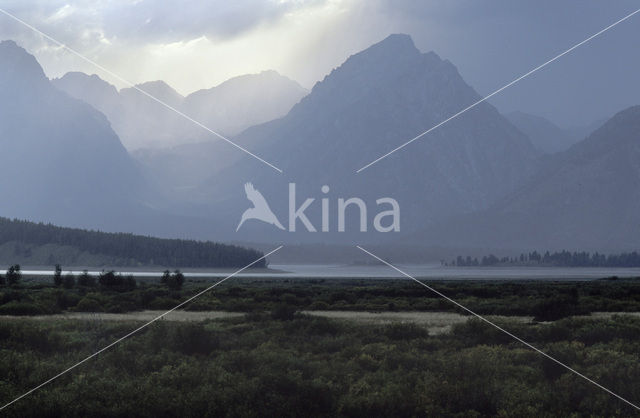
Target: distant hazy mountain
(244, 101)
(587, 197)
(92, 89)
(62, 162)
(375, 101)
(544, 134)
(141, 122)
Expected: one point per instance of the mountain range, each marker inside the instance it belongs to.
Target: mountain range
(143, 123)
(62, 162)
(587, 197)
(374, 101)
(482, 180)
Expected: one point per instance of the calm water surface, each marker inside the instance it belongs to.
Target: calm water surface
(428, 271)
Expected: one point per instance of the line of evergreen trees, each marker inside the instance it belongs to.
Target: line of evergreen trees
(556, 259)
(109, 280)
(143, 249)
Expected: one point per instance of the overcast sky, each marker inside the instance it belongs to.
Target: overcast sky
(198, 44)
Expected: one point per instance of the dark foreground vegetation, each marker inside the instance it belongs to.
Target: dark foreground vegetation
(276, 361)
(46, 244)
(304, 366)
(555, 259)
(113, 293)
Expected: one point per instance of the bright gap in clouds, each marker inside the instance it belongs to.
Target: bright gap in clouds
(303, 44)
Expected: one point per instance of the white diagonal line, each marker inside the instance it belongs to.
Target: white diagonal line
(139, 328)
(499, 90)
(499, 328)
(132, 85)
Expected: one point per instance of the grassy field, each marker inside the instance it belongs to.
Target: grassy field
(129, 316)
(434, 322)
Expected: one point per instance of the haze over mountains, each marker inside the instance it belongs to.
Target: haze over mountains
(544, 134)
(62, 162)
(587, 197)
(375, 101)
(548, 137)
(141, 122)
(482, 180)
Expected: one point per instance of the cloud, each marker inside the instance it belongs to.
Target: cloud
(152, 21)
(179, 20)
(197, 44)
(165, 39)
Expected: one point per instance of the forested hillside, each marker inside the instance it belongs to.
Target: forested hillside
(45, 244)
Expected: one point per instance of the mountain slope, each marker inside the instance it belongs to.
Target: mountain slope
(544, 134)
(143, 122)
(587, 197)
(62, 162)
(375, 101)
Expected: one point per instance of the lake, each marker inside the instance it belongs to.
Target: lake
(426, 271)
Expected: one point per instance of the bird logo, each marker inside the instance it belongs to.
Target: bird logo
(260, 210)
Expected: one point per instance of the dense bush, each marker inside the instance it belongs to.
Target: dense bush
(20, 308)
(283, 312)
(401, 331)
(117, 282)
(89, 304)
(317, 367)
(172, 281)
(69, 281)
(86, 280)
